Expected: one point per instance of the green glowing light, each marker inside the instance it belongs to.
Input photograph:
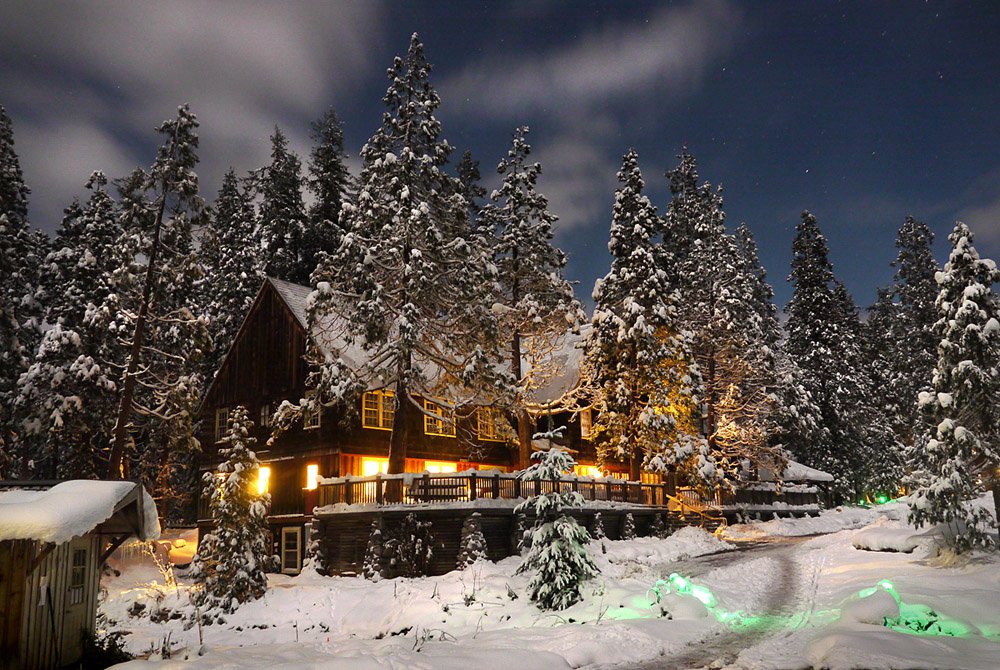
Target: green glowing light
(917, 618)
(881, 500)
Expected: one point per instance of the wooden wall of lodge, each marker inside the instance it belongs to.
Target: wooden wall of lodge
(343, 537)
(32, 615)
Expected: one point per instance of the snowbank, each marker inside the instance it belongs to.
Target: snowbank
(67, 510)
(880, 538)
(829, 521)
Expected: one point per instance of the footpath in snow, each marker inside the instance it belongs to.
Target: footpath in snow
(788, 601)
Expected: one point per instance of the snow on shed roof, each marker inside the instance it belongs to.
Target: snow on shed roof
(74, 508)
(797, 472)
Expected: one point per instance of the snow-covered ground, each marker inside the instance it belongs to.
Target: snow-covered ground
(782, 599)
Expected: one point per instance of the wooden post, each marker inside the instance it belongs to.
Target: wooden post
(472, 486)
(607, 489)
(496, 485)
(347, 492)
(427, 486)
(517, 487)
(379, 497)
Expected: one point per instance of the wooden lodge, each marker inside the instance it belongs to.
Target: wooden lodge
(54, 537)
(266, 365)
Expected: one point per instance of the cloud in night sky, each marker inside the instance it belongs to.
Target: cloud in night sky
(110, 72)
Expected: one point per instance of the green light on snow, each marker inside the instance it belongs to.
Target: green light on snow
(881, 500)
(917, 618)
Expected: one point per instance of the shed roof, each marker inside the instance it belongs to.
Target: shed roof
(60, 511)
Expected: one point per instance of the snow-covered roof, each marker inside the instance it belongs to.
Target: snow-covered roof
(74, 508)
(562, 364)
(797, 472)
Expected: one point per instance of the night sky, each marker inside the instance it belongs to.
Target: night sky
(860, 112)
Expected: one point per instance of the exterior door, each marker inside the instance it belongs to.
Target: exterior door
(291, 553)
(76, 614)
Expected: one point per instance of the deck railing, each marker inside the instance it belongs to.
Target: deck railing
(465, 487)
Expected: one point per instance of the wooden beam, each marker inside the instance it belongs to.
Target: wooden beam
(115, 543)
(42, 555)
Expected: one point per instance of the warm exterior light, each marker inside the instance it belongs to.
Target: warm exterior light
(312, 477)
(263, 479)
(440, 466)
(588, 471)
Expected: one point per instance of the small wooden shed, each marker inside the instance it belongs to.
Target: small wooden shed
(54, 537)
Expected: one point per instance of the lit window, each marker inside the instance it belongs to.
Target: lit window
(588, 471)
(265, 415)
(78, 575)
(586, 419)
(438, 420)
(221, 423)
(263, 480)
(378, 409)
(440, 466)
(373, 466)
(489, 424)
(310, 416)
(312, 477)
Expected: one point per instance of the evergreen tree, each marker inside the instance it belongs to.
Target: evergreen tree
(473, 544)
(538, 302)
(963, 408)
(408, 289)
(232, 267)
(558, 554)
(231, 560)
(21, 254)
(66, 398)
(638, 356)
(163, 337)
(470, 188)
(597, 528)
(282, 226)
(628, 527)
(330, 183)
(372, 567)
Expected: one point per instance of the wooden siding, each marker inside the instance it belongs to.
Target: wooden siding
(34, 603)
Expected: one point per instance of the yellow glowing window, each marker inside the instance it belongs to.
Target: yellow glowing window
(489, 424)
(263, 480)
(378, 409)
(312, 477)
(440, 466)
(586, 421)
(438, 420)
(588, 471)
(373, 466)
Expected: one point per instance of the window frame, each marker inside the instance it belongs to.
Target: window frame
(586, 424)
(77, 575)
(311, 420)
(497, 417)
(381, 397)
(221, 423)
(443, 422)
(265, 416)
(296, 532)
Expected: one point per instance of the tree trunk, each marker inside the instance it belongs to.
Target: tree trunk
(634, 466)
(523, 439)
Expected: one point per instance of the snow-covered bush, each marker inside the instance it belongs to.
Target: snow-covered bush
(372, 568)
(628, 527)
(558, 553)
(659, 527)
(410, 548)
(231, 560)
(473, 547)
(597, 527)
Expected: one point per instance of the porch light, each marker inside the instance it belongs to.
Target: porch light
(312, 477)
(263, 480)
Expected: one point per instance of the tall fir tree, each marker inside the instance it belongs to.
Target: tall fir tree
(963, 408)
(155, 313)
(638, 355)
(538, 303)
(21, 253)
(282, 225)
(232, 263)
(470, 187)
(232, 559)
(330, 183)
(408, 289)
(66, 399)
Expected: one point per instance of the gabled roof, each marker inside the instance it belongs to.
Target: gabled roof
(295, 297)
(57, 512)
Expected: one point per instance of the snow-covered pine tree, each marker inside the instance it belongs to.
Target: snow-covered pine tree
(154, 311)
(408, 289)
(372, 567)
(597, 527)
(282, 222)
(816, 344)
(410, 547)
(233, 557)
(726, 304)
(330, 183)
(558, 555)
(538, 303)
(468, 179)
(639, 359)
(628, 527)
(963, 407)
(232, 262)
(473, 544)
(21, 254)
(66, 399)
